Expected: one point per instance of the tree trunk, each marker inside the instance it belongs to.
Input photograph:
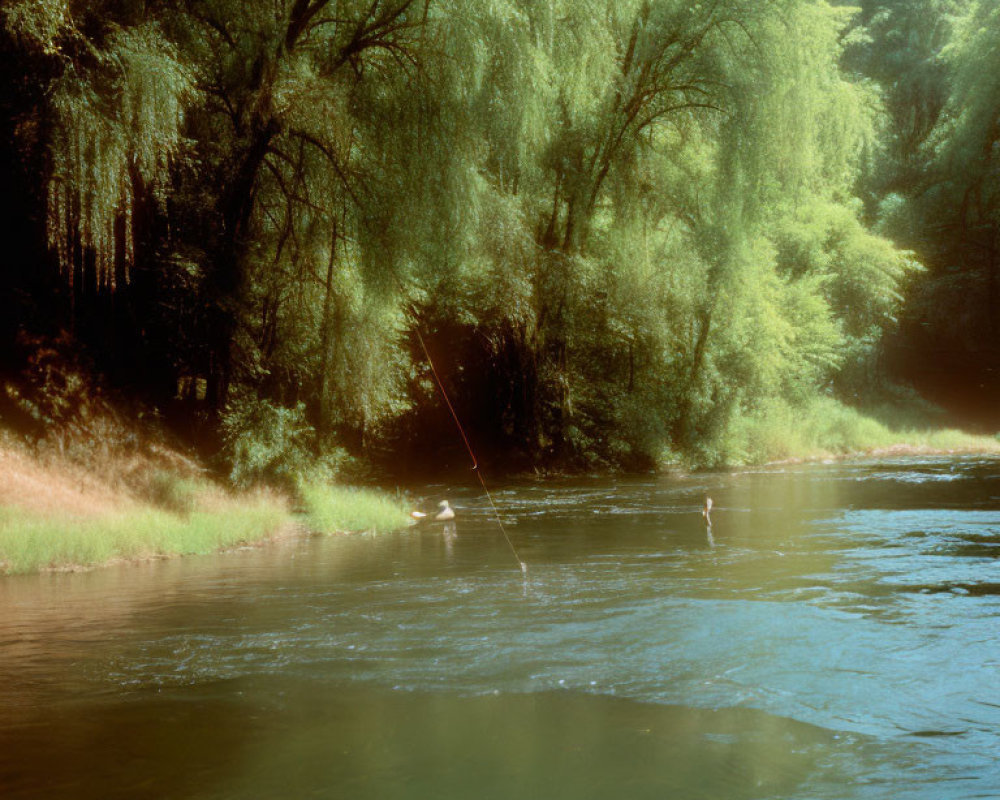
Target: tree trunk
(326, 337)
(229, 275)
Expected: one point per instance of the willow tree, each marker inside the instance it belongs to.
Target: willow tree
(616, 224)
(641, 261)
(953, 213)
(623, 84)
(965, 143)
(116, 101)
(269, 237)
(899, 44)
(278, 78)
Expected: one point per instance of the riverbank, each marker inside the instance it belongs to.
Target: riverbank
(828, 429)
(151, 501)
(57, 515)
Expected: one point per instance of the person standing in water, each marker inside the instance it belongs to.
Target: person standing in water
(706, 512)
(446, 514)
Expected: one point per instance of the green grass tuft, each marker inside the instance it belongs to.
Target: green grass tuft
(171, 492)
(827, 427)
(29, 542)
(333, 509)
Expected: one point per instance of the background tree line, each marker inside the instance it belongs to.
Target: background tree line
(618, 227)
(933, 187)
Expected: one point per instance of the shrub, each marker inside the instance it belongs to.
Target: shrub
(171, 492)
(332, 509)
(266, 443)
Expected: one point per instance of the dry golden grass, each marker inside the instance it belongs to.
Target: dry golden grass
(56, 515)
(51, 489)
(84, 481)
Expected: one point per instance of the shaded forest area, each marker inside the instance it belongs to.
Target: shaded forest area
(622, 229)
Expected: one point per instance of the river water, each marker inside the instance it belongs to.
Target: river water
(834, 635)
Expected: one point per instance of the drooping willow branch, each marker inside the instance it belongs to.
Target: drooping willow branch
(117, 125)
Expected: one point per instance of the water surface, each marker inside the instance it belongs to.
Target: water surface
(834, 635)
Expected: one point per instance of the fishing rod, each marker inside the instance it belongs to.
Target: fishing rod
(468, 446)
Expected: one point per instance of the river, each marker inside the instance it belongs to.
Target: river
(834, 635)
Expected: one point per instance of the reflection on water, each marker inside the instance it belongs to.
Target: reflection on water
(833, 635)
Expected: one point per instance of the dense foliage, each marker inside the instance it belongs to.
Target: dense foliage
(618, 227)
(934, 186)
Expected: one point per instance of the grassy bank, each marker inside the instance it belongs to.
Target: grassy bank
(827, 428)
(331, 509)
(57, 514)
(30, 542)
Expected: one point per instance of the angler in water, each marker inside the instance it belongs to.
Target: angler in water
(445, 514)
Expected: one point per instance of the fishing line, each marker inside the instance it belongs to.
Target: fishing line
(468, 446)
